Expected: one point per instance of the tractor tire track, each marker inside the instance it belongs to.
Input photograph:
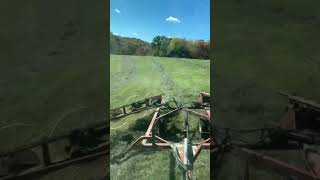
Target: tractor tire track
(170, 88)
(167, 84)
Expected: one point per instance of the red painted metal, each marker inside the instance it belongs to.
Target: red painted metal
(288, 121)
(152, 123)
(275, 164)
(198, 114)
(173, 111)
(163, 144)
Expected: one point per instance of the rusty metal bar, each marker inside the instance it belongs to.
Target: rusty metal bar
(310, 104)
(204, 93)
(135, 142)
(288, 121)
(208, 112)
(177, 109)
(145, 144)
(159, 138)
(198, 114)
(198, 150)
(204, 144)
(159, 145)
(53, 139)
(162, 145)
(133, 112)
(53, 166)
(276, 164)
(152, 122)
(205, 141)
(47, 163)
(146, 102)
(183, 155)
(153, 133)
(150, 127)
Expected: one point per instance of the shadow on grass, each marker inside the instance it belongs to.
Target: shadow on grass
(174, 134)
(124, 156)
(172, 167)
(128, 138)
(142, 123)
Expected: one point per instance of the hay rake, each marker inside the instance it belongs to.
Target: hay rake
(77, 145)
(298, 130)
(185, 151)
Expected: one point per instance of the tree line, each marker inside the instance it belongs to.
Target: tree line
(160, 46)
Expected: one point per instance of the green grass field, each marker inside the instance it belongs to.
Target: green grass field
(134, 78)
(260, 47)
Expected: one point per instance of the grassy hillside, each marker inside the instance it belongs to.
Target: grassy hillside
(128, 46)
(52, 62)
(137, 77)
(260, 47)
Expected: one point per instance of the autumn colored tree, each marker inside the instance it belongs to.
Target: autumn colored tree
(160, 46)
(178, 48)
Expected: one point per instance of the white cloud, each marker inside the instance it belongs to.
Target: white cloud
(116, 34)
(135, 34)
(117, 11)
(173, 19)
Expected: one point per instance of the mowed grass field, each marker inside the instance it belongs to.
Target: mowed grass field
(137, 77)
(52, 74)
(261, 47)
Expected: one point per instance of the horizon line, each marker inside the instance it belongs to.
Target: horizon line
(160, 35)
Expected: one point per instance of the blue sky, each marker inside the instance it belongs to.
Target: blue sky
(145, 19)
